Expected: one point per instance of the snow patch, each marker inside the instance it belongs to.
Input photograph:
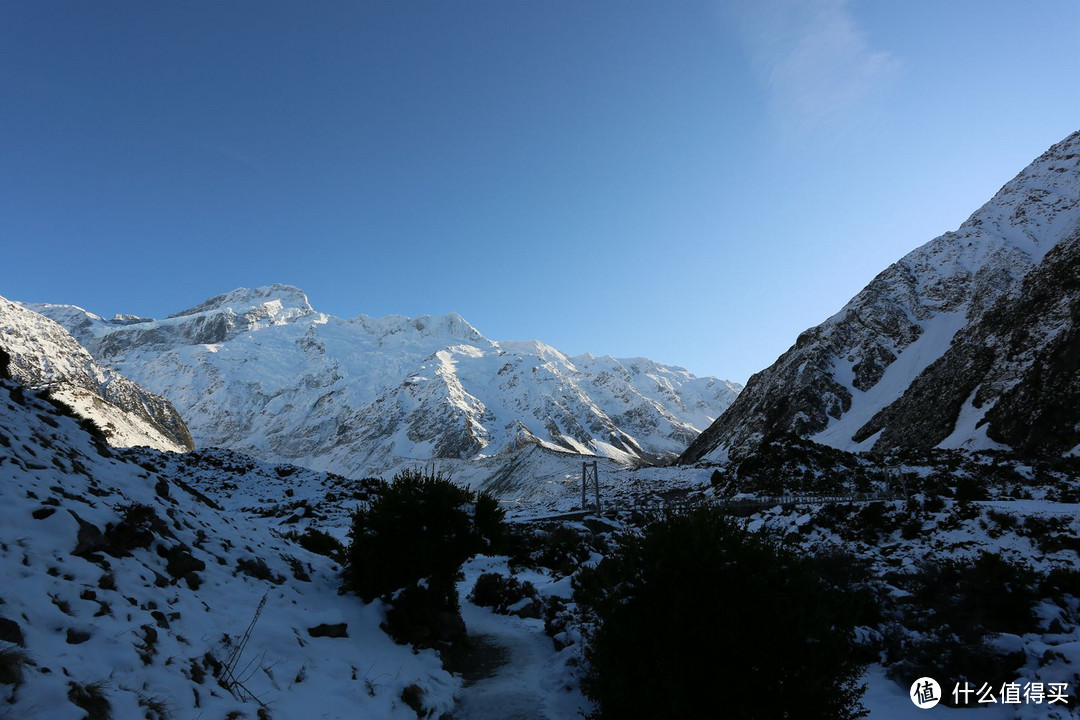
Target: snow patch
(935, 339)
(968, 434)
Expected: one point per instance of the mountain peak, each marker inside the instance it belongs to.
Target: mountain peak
(281, 300)
(450, 326)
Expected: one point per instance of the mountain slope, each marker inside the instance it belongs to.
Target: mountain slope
(262, 372)
(1011, 379)
(44, 355)
(125, 586)
(850, 382)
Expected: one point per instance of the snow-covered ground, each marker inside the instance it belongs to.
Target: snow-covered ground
(146, 625)
(537, 679)
(534, 682)
(147, 629)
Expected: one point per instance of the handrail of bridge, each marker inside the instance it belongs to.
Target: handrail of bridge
(659, 506)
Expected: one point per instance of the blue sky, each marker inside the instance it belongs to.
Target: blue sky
(695, 182)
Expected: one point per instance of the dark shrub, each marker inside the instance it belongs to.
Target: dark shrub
(951, 659)
(488, 590)
(320, 543)
(1061, 581)
(419, 526)
(849, 577)
(425, 614)
(986, 595)
(414, 535)
(138, 527)
(968, 489)
(501, 593)
(696, 602)
(933, 503)
(873, 521)
(561, 549)
(954, 608)
(91, 699)
(488, 519)
(13, 663)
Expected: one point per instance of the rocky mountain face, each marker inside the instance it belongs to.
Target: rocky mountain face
(43, 355)
(967, 342)
(1011, 378)
(262, 372)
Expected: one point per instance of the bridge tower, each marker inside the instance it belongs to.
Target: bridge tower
(590, 473)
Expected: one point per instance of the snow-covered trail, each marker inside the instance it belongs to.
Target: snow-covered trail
(513, 692)
(532, 683)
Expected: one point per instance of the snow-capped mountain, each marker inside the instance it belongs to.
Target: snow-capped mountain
(949, 347)
(262, 372)
(45, 356)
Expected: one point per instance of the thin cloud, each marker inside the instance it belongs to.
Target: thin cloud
(817, 64)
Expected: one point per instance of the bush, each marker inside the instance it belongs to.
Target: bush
(986, 595)
(138, 527)
(969, 489)
(951, 659)
(503, 593)
(488, 519)
(561, 549)
(13, 662)
(414, 536)
(705, 602)
(1059, 582)
(954, 609)
(319, 542)
(91, 699)
(425, 614)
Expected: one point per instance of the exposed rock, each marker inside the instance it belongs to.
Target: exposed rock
(1018, 366)
(258, 569)
(77, 637)
(180, 561)
(10, 632)
(338, 630)
(413, 696)
(89, 540)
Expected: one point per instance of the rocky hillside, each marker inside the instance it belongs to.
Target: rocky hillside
(262, 372)
(948, 347)
(1010, 379)
(44, 355)
(130, 594)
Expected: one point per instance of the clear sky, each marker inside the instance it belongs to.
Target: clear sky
(691, 181)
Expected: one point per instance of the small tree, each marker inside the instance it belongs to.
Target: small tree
(413, 537)
(698, 618)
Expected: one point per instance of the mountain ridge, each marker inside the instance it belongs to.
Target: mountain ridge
(261, 371)
(45, 356)
(840, 374)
